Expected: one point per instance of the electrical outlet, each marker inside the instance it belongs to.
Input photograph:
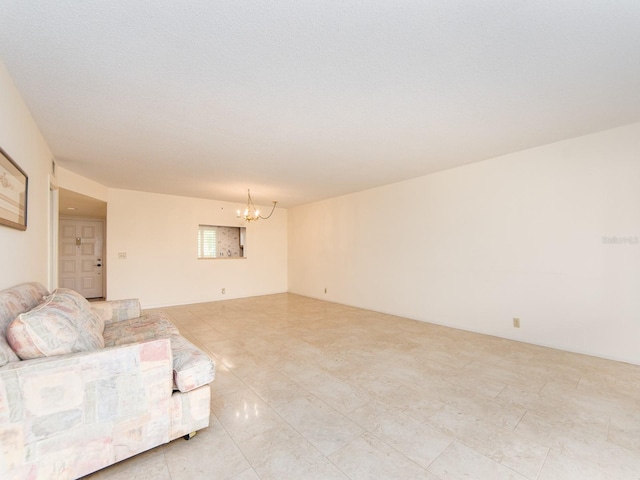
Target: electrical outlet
(516, 323)
(224, 290)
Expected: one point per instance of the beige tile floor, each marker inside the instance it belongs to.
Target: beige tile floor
(307, 389)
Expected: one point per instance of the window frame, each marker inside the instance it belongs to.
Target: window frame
(208, 248)
(204, 253)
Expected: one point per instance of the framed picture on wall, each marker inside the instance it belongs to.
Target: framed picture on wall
(13, 193)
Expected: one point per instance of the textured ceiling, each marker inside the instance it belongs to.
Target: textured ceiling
(305, 100)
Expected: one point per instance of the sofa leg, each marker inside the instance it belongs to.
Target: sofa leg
(189, 436)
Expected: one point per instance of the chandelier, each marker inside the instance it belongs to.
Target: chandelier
(251, 213)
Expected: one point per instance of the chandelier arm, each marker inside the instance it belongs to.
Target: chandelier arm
(272, 210)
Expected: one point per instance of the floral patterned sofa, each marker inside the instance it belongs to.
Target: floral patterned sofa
(84, 385)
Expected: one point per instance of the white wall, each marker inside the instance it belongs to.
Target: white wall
(473, 247)
(24, 254)
(159, 235)
(79, 184)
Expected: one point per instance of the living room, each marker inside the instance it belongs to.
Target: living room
(545, 233)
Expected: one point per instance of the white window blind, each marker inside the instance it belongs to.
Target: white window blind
(207, 241)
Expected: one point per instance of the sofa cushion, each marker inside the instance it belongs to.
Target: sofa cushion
(148, 327)
(117, 310)
(192, 368)
(13, 302)
(63, 323)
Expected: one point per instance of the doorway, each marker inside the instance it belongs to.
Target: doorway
(81, 256)
(81, 244)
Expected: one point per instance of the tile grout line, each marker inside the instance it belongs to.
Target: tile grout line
(543, 463)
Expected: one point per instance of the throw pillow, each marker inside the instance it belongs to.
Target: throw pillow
(94, 321)
(63, 323)
(13, 302)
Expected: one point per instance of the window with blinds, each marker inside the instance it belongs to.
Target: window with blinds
(207, 241)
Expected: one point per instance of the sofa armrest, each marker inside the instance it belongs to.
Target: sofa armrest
(192, 368)
(117, 310)
(70, 415)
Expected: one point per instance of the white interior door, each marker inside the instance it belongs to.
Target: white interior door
(81, 256)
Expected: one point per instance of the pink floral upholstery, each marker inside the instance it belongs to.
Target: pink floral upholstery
(117, 310)
(108, 405)
(192, 368)
(153, 325)
(13, 302)
(63, 323)
(189, 411)
(66, 416)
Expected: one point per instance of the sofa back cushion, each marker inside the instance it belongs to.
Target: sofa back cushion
(63, 323)
(13, 302)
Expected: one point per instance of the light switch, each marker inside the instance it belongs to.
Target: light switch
(122, 255)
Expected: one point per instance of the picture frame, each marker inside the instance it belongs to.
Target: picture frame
(14, 188)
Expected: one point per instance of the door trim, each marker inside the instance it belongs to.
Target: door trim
(54, 222)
